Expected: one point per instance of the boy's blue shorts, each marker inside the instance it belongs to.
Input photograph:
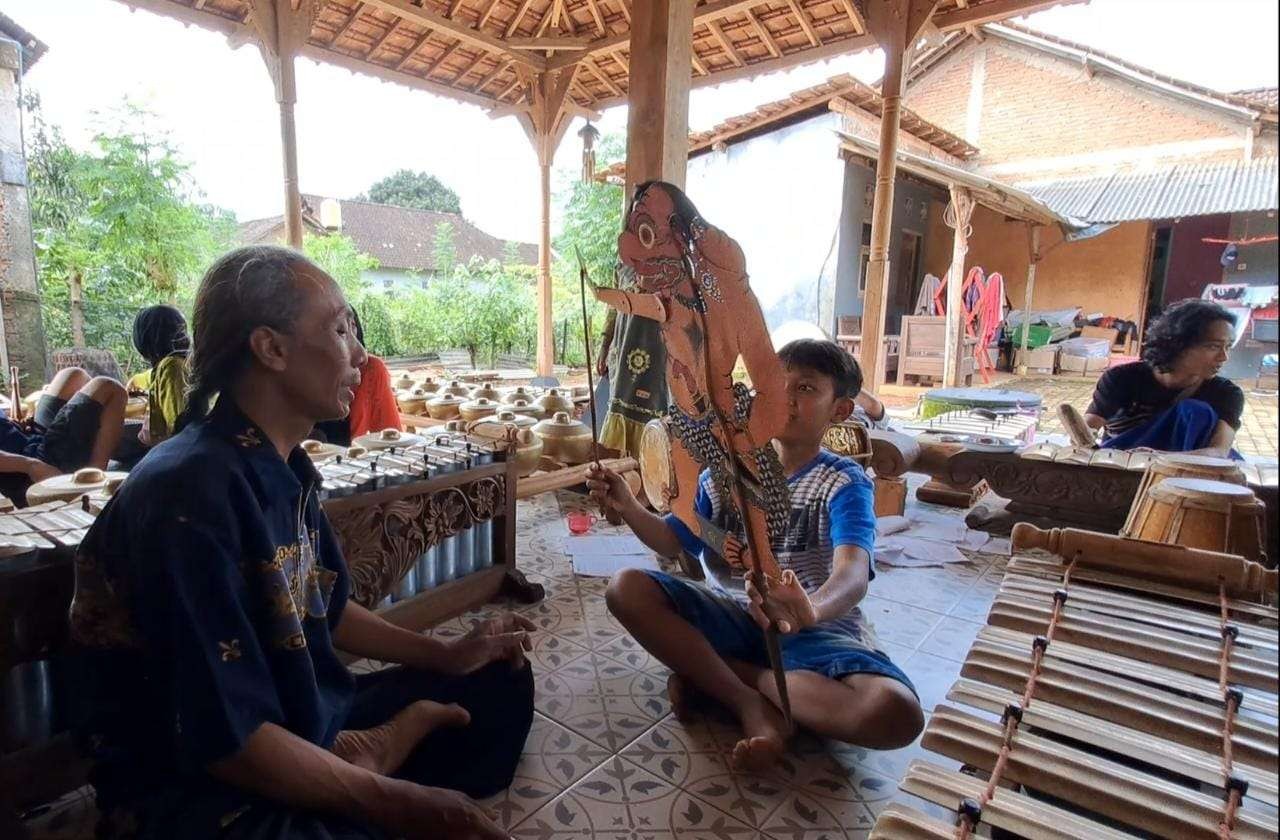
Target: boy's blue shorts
(826, 648)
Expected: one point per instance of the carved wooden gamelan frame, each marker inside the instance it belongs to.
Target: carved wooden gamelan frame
(383, 533)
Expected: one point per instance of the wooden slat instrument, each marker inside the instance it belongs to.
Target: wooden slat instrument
(1135, 685)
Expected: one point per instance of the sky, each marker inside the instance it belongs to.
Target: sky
(219, 110)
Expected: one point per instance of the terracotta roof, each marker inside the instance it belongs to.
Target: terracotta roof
(1262, 101)
(32, 47)
(487, 52)
(842, 89)
(398, 237)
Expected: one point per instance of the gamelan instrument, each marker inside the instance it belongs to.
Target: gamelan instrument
(1120, 689)
(1199, 513)
(1178, 465)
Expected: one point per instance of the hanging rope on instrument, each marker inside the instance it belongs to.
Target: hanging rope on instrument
(969, 811)
(1234, 787)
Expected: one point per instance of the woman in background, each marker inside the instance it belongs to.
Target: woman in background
(160, 336)
(374, 407)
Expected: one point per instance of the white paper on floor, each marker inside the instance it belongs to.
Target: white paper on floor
(926, 538)
(601, 556)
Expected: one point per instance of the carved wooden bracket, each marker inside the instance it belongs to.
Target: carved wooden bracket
(382, 541)
(1073, 492)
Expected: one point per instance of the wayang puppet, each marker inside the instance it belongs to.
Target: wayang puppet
(691, 278)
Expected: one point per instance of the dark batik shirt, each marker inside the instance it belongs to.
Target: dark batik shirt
(206, 597)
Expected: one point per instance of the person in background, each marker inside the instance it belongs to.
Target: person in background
(840, 683)
(212, 600)
(1173, 399)
(374, 407)
(160, 336)
(77, 423)
(869, 411)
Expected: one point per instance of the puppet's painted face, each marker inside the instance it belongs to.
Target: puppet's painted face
(649, 246)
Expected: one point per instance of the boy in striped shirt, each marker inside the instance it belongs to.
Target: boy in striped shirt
(712, 636)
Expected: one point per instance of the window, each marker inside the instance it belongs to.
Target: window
(864, 258)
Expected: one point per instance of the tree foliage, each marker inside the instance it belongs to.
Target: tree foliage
(419, 190)
(443, 251)
(123, 221)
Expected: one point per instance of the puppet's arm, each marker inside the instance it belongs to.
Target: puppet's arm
(632, 303)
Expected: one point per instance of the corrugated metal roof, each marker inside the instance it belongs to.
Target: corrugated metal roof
(1173, 192)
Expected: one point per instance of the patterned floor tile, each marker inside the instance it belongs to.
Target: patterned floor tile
(620, 801)
(976, 603)
(899, 624)
(554, 758)
(610, 703)
(952, 638)
(806, 796)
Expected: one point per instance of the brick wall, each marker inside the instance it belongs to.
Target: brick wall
(1045, 117)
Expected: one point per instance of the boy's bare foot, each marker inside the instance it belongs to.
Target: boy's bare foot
(682, 697)
(765, 736)
(384, 748)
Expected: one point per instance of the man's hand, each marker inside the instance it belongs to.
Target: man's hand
(417, 812)
(505, 637)
(609, 489)
(788, 603)
(38, 470)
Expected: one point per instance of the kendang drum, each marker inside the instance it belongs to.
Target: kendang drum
(1176, 465)
(1199, 513)
(656, 476)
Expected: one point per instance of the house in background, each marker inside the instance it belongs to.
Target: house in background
(400, 238)
(1165, 163)
(1125, 171)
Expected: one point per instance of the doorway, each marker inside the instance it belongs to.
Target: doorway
(1161, 238)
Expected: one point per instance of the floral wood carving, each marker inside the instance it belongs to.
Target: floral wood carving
(1094, 492)
(382, 541)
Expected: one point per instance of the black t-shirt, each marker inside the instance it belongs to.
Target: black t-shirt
(1130, 396)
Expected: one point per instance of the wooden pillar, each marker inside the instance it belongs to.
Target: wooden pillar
(658, 99)
(545, 123)
(894, 23)
(282, 30)
(1033, 242)
(959, 214)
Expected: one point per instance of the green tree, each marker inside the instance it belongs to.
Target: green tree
(592, 214)
(405, 188)
(341, 260)
(443, 251)
(116, 228)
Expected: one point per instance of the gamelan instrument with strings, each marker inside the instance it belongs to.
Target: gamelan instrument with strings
(1120, 689)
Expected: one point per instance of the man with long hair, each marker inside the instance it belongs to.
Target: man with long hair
(1173, 400)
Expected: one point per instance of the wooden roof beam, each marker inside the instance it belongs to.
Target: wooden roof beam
(488, 13)
(378, 44)
(590, 66)
(711, 11)
(625, 10)
(763, 31)
(422, 16)
(417, 45)
(454, 8)
(725, 43)
(855, 15)
(497, 71)
(594, 8)
(809, 31)
(516, 20)
(993, 12)
(346, 24)
(547, 42)
(466, 71)
(442, 58)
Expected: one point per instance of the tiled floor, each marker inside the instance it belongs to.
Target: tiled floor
(606, 759)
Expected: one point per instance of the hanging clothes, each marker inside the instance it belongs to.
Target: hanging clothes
(925, 303)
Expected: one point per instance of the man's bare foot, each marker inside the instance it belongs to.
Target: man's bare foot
(384, 748)
(765, 736)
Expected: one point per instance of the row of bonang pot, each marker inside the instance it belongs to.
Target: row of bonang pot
(536, 423)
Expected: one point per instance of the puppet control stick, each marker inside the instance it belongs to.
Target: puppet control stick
(610, 515)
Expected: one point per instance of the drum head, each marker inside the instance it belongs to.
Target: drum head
(655, 464)
(1201, 488)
